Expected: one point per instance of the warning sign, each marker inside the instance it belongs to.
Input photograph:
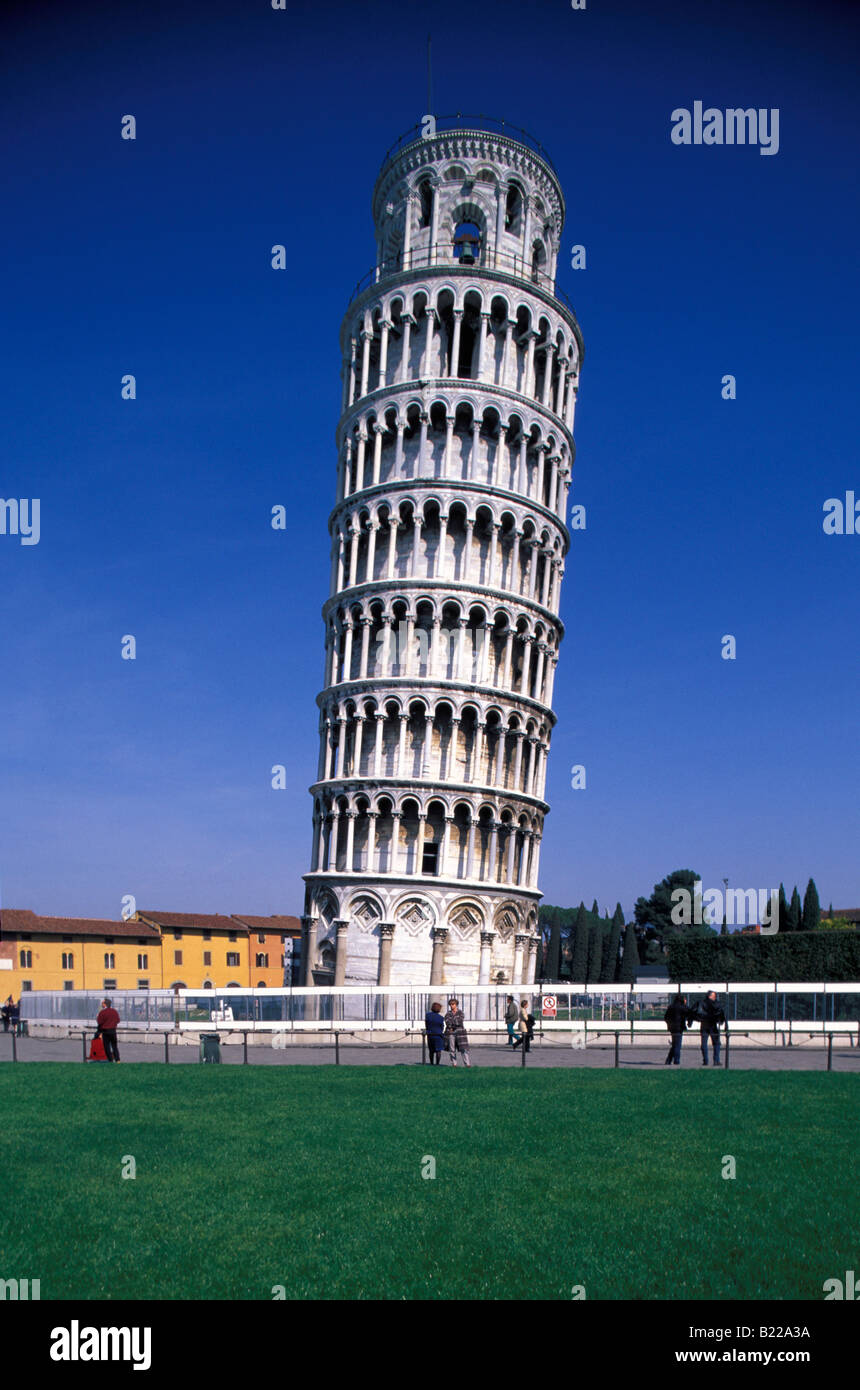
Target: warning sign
(548, 1006)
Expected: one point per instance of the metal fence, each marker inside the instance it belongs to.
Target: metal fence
(637, 1008)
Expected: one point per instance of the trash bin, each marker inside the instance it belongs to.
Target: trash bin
(210, 1047)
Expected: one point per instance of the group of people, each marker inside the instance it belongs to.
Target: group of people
(710, 1017)
(10, 1015)
(448, 1031)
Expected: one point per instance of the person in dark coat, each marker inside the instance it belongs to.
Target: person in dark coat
(711, 1019)
(7, 1013)
(434, 1023)
(455, 1033)
(676, 1018)
(512, 1013)
(108, 1022)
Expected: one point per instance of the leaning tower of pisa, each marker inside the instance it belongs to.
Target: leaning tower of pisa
(460, 373)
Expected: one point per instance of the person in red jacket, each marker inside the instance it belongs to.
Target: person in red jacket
(108, 1022)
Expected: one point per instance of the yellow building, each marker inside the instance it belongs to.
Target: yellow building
(153, 950)
(200, 950)
(76, 953)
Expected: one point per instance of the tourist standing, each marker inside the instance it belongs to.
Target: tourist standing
(676, 1018)
(434, 1024)
(711, 1019)
(108, 1022)
(526, 1026)
(455, 1033)
(512, 1013)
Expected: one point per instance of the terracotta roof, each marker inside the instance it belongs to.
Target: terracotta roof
(291, 925)
(209, 921)
(13, 921)
(851, 914)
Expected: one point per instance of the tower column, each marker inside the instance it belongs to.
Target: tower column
(386, 940)
(341, 927)
(437, 963)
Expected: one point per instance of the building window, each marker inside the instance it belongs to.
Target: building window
(143, 984)
(68, 960)
(108, 940)
(232, 957)
(177, 935)
(109, 984)
(26, 960)
(26, 986)
(261, 984)
(207, 936)
(143, 962)
(110, 960)
(207, 957)
(262, 960)
(232, 936)
(261, 937)
(234, 984)
(177, 957)
(430, 859)
(68, 984)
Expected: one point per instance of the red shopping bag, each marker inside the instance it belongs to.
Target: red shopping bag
(97, 1051)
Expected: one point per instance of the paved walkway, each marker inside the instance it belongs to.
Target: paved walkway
(807, 1058)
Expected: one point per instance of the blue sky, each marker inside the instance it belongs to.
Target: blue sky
(257, 127)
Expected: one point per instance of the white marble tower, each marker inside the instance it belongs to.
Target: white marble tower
(455, 449)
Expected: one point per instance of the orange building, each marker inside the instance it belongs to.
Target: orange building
(76, 953)
(268, 951)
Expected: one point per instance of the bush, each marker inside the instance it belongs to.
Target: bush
(828, 956)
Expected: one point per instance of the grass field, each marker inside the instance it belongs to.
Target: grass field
(310, 1177)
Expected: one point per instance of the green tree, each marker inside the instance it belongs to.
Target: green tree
(579, 953)
(613, 945)
(782, 916)
(595, 951)
(656, 911)
(553, 955)
(595, 910)
(811, 908)
(793, 917)
(630, 959)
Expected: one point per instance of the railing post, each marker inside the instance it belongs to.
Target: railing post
(726, 1062)
(336, 1048)
(244, 1047)
(424, 1047)
(617, 1061)
(14, 1047)
(523, 1054)
(166, 1047)
(84, 1045)
(829, 1051)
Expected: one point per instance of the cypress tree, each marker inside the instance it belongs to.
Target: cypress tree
(794, 912)
(595, 910)
(613, 944)
(782, 917)
(553, 955)
(811, 918)
(630, 959)
(595, 953)
(579, 956)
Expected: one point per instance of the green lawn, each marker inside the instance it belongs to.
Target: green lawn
(310, 1177)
